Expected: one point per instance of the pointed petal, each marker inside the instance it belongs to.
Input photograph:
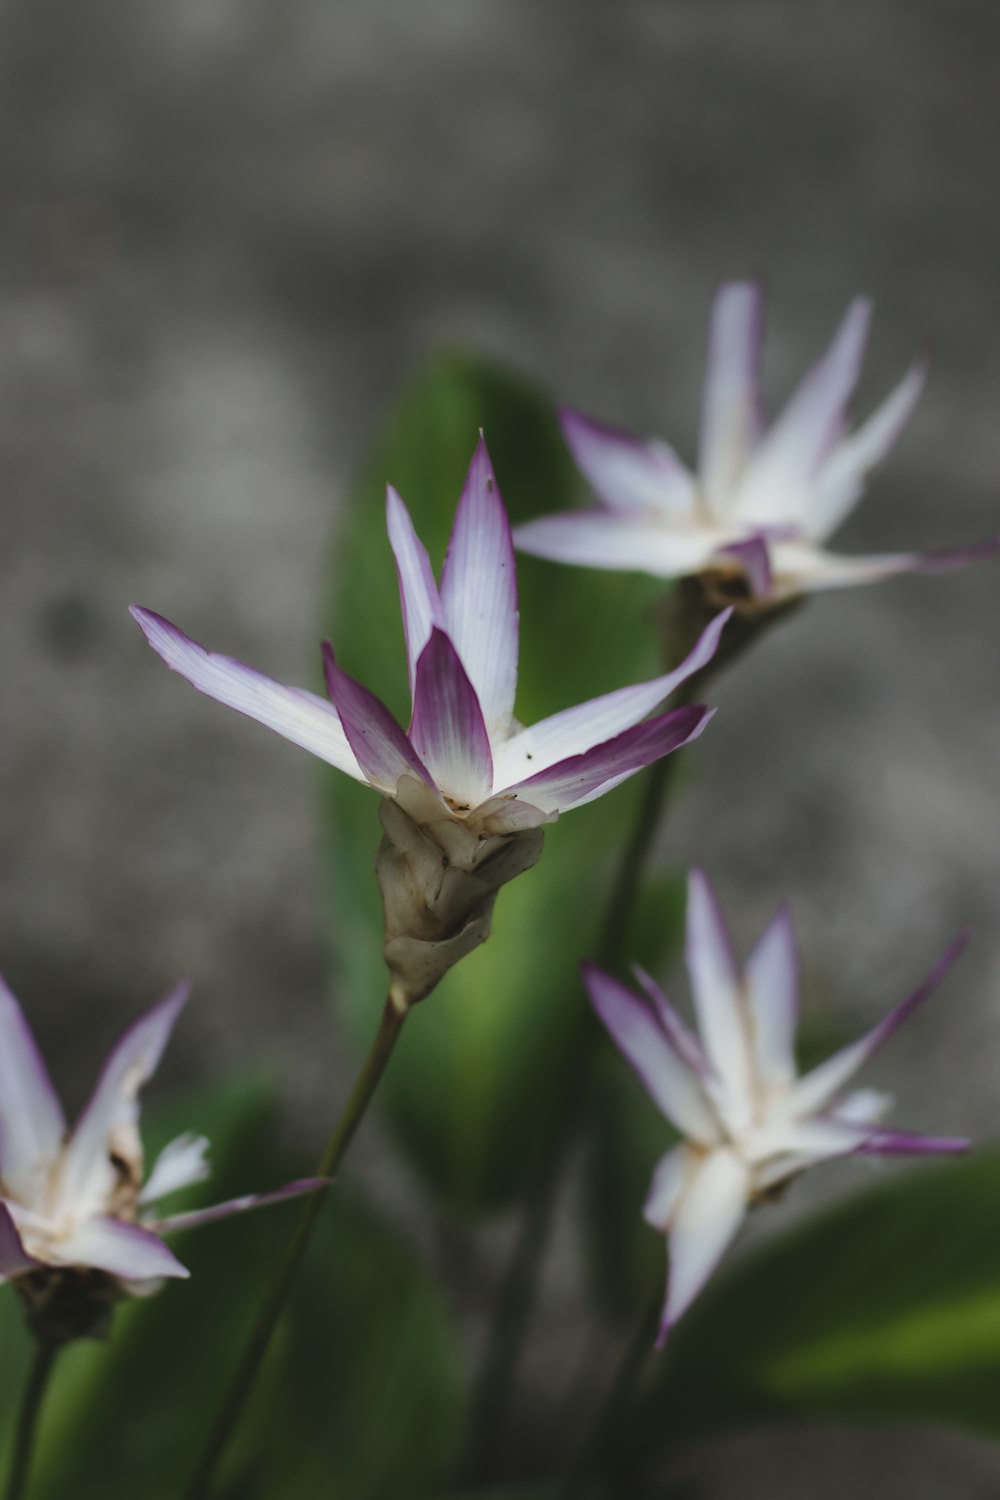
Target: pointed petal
(601, 539)
(627, 473)
(800, 567)
(575, 730)
(716, 988)
(753, 557)
(817, 1088)
(772, 988)
(581, 778)
(417, 590)
(778, 484)
(666, 1076)
(448, 731)
(704, 1224)
(479, 593)
(180, 1164)
(382, 749)
(14, 1259)
(905, 1143)
(842, 478)
(730, 409)
(683, 1041)
(232, 1206)
(295, 714)
(108, 1125)
(31, 1120)
(670, 1178)
(120, 1248)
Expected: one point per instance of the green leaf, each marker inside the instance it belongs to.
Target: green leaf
(481, 1076)
(887, 1307)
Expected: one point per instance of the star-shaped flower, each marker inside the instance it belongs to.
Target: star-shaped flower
(749, 1122)
(464, 758)
(764, 501)
(76, 1199)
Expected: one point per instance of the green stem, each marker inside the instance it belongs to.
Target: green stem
(27, 1422)
(385, 1040)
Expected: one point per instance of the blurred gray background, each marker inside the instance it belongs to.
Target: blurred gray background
(230, 229)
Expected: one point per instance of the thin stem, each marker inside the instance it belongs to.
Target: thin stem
(385, 1040)
(27, 1422)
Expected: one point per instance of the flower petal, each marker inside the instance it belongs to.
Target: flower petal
(670, 1177)
(801, 567)
(297, 715)
(447, 730)
(816, 1089)
(180, 1164)
(108, 1126)
(753, 558)
(418, 592)
(683, 1041)
(232, 1206)
(717, 991)
(705, 1221)
(581, 778)
(905, 1143)
(31, 1120)
(730, 419)
(599, 539)
(626, 472)
(772, 989)
(14, 1259)
(778, 485)
(382, 749)
(575, 730)
(121, 1248)
(479, 593)
(666, 1075)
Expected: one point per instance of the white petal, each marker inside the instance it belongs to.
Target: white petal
(31, 1120)
(705, 1221)
(730, 417)
(670, 1178)
(417, 590)
(803, 567)
(772, 988)
(122, 1249)
(603, 539)
(629, 475)
(179, 1165)
(716, 989)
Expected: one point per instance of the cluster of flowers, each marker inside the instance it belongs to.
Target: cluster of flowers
(466, 790)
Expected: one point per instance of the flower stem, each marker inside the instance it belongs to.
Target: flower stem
(393, 1016)
(27, 1422)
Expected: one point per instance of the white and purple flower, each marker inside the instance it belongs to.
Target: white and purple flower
(763, 501)
(749, 1123)
(76, 1200)
(464, 759)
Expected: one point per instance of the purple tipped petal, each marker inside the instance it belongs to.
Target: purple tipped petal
(108, 1124)
(295, 714)
(14, 1259)
(684, 1043)
(730, 410)
(448, 731)
(716, 988)
(665, 1073)
(382, 749)
(31, 1120)
(627, 473)
(417, 590)
(772, 988)
(776, 487)
(754, 558)
(705, 1222)
(120, 1248)
(612, 540)
(238, 1205)
(904, 1143)
(817, 1088)
(578, 729)
(479, 593)
(581, 778)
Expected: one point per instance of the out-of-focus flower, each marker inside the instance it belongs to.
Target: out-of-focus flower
(75, 1201)
(749, 1122)
(754, 519)
(468, 787)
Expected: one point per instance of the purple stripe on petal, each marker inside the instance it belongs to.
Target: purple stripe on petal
(448, 730)
(684, 1043)
(242, 1205)
(754, 558)
(580, 778)
(629, 475)
(418, 592)
(906, 1143)
(31, 1119)
(479, 593)
(14, 1259)
(383, 751)
(297, 715)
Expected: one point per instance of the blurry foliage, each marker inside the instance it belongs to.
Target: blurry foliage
(476, 1086)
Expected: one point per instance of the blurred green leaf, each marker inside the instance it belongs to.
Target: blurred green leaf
(887, 1307)
(480, 1079)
